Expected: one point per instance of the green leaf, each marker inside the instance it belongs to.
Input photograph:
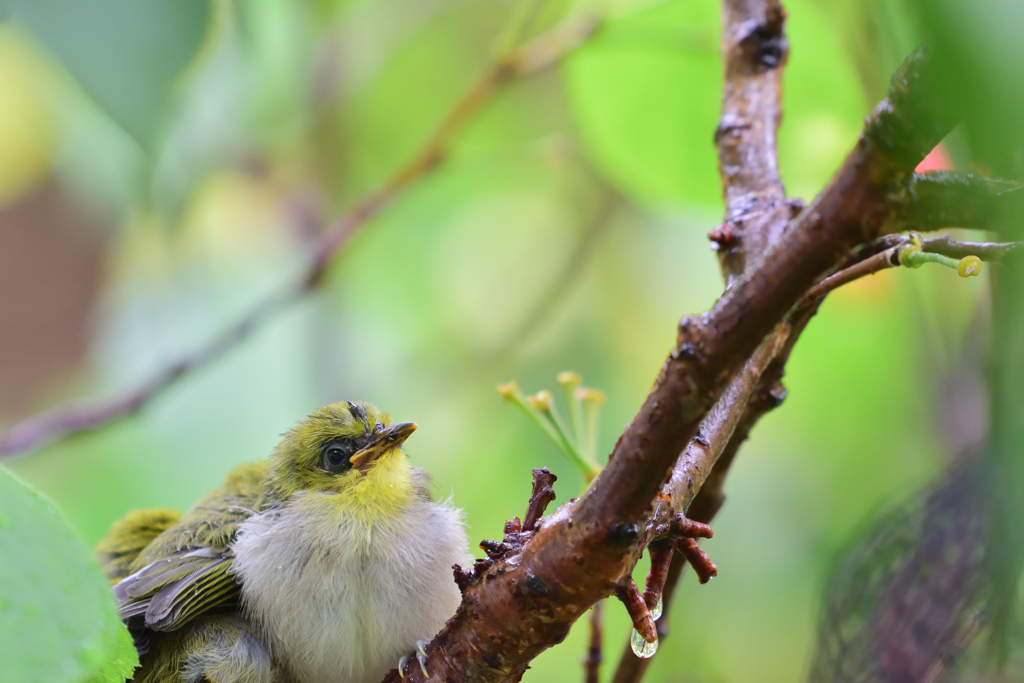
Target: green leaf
(58, 622)
(128, 55)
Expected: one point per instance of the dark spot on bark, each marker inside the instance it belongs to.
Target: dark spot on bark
(763, 43)
(702, 441)
(534, 586)
(490, 659)
(772, 51)
(685, 352)
(622, 534)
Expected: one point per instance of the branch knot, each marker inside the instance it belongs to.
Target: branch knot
(763, 42)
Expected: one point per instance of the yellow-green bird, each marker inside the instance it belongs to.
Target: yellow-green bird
(328, 562)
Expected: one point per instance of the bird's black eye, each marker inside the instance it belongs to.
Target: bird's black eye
(336, 456)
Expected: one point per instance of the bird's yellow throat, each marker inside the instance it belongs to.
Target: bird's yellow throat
(373, 496)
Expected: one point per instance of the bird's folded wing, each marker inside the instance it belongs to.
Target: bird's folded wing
(129, 536)
(169, 592)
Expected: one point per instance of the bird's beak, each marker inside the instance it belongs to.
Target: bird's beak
(390, 438)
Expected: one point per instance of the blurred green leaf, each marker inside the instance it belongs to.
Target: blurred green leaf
(645, 94)
(823, 102)
(58, 620)
(127, 55)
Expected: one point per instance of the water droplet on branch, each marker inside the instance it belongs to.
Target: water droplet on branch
(656, 612)
(641, 648)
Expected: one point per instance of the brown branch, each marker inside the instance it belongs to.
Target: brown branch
(754, 50)
(770, 393)
(853, 209)
(726, 429)
(62, 421)
(517, 533)
(592, 662)
(691, 528)
(716, 437)
(869, 260)
(698, 459)
(743, 414)
(742, 148)
(528, 601)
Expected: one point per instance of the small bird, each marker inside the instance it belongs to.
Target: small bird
(328, 562)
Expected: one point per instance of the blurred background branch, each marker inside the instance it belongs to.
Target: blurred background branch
(62, 421)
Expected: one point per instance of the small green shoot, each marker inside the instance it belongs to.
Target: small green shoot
(577, 439)
(911, 255)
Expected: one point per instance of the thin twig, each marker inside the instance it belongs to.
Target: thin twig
(771, 393)
(944, 245)
(639, 613)
(869, 266)
(567, 274)
(661, 557)
(702, 565)
(540, 497)
(592, 662)
(62, 421)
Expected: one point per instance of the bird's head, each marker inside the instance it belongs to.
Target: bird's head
(350, 449)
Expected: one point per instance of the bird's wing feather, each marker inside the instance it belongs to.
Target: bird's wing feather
(129, 536)
(168, 593)
(186, 570)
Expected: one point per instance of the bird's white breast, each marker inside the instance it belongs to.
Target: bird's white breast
(341, 600)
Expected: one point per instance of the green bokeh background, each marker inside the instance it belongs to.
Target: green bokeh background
(261, 119)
